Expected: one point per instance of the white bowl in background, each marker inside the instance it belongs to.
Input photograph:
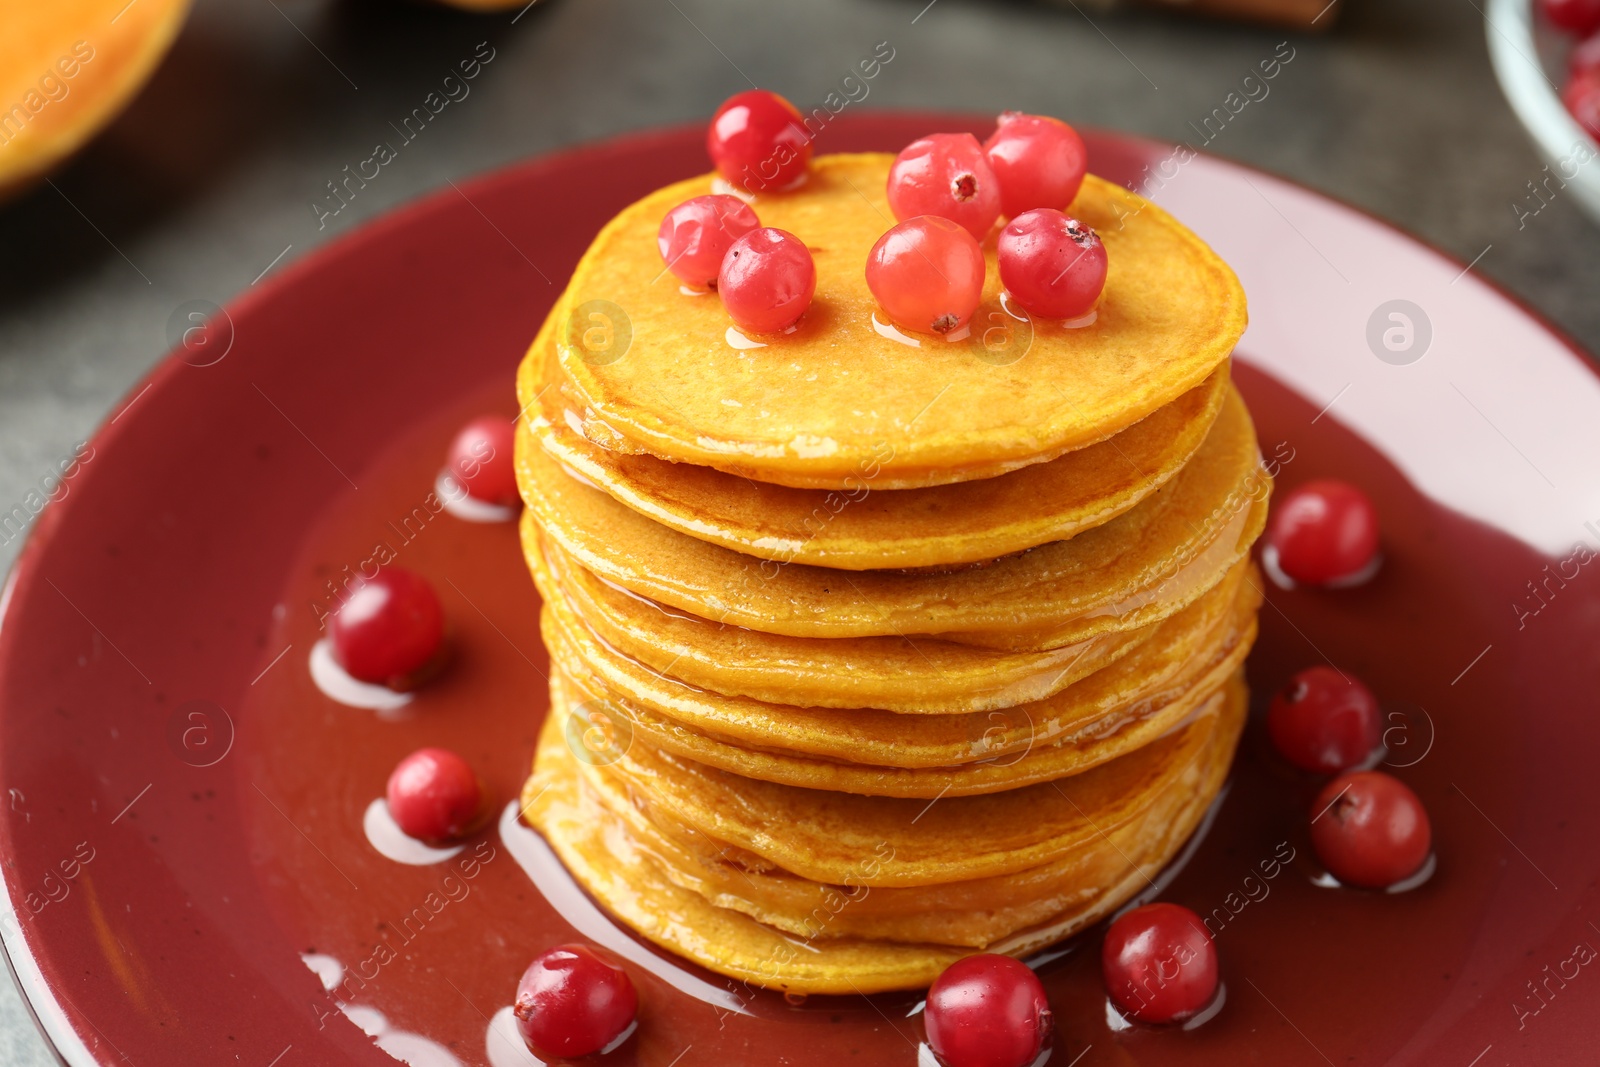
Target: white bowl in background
(1529, 62)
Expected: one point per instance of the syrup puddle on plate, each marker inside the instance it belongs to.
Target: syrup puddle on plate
(550, 877)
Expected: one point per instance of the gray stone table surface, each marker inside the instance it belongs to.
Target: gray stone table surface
(206, 182)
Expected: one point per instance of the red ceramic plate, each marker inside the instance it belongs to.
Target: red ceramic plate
(188, 878)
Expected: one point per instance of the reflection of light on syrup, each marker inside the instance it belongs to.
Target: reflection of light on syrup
(542, 865)
(1326, 880)
(403, 1045)
(722, 187)
(458, 502)
(1117, 1022)
(1171, 871)
(391, 842)
(886, 330)
(891, 332)
(1088, 318)
(927, 1058)
(337, 684)
(504, 1043)
(1270, 564)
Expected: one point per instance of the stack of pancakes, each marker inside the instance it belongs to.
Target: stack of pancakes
(872, 651)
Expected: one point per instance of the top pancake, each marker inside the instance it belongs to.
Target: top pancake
(859, 529)
(835, 400)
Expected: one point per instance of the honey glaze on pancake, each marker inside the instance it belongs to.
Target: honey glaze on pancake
(866, 527)
(1099, 576)
(876, 753)
(632, 880)
(816, 407)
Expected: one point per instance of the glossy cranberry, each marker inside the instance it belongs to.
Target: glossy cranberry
(1159, 963)
(1039, 162)
(573, 1002)
(1369, 829)
(1324, 721)
(767, 280)
(434, 795)
(1582, 97)
(1324, 531)
(1579, 17)
(987, 1011)
(697, 233)
(1052, 265)
(389, 629)
(945, 175)
(1585, 56)
(927, 272)
(480, 460)
(758, 141)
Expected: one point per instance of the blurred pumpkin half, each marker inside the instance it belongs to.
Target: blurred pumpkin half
(67, 68)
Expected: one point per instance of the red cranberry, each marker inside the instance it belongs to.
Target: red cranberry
(767, 280)
(987, 1011)
(1052, 265)
(480, 459)
(927, 272)
(758, 141)
(1369, 829)
(1039, 161)
(573, 1002)
(945, 175)
(434, 795)
(1324, 531)
(1585, 56)
(1324, 721)
(1582, 97)
(1160, 964)
(389, 629)
(697, 233)
(1578, 17)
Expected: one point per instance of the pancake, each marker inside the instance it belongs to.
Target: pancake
(865, 528)
(917, 676)
(821, 954)
(830, 836)
(818, 406)
(877, 753)
(1122, 574)
(882, 738)
(970, 914)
